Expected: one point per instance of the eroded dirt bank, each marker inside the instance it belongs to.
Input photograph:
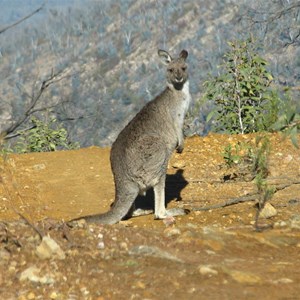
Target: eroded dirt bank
(213, 254)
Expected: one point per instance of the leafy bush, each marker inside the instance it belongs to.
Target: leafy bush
(44, 137)
(242, 96)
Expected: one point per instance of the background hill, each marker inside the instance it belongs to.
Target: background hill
(105, 55)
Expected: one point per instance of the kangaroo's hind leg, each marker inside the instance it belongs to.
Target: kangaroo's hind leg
(160, 210)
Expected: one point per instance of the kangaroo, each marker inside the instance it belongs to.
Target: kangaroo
(139, 156)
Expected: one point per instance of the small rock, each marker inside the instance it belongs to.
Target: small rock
(81, 223)
(153, 251)
(207, 270)
(243, 277)
(171, 231)
(33, 274)
(268, 211)
(101, 245)
(48, 248)
(283, 281)
(295, 222)
(280, 224)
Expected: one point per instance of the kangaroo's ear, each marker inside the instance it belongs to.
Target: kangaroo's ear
(183, 54)
(165, 56)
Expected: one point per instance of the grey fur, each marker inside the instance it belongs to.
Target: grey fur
(140, 154)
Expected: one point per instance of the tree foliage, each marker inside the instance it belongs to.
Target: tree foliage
(244, 101)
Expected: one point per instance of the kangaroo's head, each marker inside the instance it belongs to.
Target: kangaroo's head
(177, 73)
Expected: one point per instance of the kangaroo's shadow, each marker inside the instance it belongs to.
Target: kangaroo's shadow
(174, 185)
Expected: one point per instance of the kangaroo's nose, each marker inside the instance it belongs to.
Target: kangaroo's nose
(178, 78)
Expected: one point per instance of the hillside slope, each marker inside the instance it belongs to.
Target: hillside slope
(107, 52)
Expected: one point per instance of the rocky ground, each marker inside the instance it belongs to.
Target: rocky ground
(209, 254)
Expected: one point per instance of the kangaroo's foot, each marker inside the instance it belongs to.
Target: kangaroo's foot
(172, 212)
(141, 212)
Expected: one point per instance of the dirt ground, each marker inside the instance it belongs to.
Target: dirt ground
(213, 254)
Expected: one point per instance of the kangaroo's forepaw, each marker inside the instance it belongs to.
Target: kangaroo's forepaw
(179, 149)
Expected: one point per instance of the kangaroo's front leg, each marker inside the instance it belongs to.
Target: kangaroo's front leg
(180, 143)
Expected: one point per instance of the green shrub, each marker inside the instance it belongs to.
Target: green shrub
(44, 137)
(239, 154)
(242, 96)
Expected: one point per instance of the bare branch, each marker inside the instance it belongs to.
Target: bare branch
(11, 136)
(34, 98)
(23, 19)
(277, 14)
(294, 40)
(250, 197)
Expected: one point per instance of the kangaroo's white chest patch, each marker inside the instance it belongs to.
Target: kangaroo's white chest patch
(182, 109)
(187, 97)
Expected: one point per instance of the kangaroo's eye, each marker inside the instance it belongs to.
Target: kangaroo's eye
(171, 70)
(183, 69)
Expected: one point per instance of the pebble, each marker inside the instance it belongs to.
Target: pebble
(153, 251)
(268, 211)
(48, 248)
(207, 270)
(283, 281)
(33, 274)
(295, 222)
(243, 277)
(81, 223)
(171, 231)
(101, 245)
(280, 224)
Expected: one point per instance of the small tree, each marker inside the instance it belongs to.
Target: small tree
(244, 102)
